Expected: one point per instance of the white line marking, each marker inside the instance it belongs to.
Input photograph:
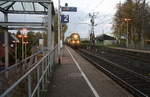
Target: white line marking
(84, 76)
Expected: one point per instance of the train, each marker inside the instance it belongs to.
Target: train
(74, 40)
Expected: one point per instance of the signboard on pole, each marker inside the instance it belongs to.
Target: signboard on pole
(41, 42)
(69, 9)
(64, 18)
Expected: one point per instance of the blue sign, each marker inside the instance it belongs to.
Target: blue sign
(69, 9)
(64, 18)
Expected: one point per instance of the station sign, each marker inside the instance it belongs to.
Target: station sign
(64, 18)
(69, 9)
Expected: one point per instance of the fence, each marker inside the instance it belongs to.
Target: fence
(33, 82)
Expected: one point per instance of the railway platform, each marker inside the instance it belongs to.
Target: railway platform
(76, 77)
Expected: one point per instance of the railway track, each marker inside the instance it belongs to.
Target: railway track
(133, 55)
(128, 61)
(136, 83)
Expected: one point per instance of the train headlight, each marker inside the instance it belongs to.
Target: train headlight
(78, 42)
(73, 42)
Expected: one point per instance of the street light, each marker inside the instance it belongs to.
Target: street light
(127, 39)
(16, 57)
(25, 43)
(22, 41)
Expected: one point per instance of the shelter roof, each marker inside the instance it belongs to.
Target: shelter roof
(25, 6)
(105, 37)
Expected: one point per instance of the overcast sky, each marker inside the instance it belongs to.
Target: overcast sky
(104, 8)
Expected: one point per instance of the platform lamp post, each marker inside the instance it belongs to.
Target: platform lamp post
(22, 36)
(25, 43)
(16, 46)
(127, 39)
(23, 46)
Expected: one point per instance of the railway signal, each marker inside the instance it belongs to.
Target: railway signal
(92, 21)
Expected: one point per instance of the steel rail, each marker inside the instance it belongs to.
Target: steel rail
(113, 76)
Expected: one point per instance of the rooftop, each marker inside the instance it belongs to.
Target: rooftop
(105, 37)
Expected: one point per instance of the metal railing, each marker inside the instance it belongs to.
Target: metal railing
(34, 81)
(17, 70)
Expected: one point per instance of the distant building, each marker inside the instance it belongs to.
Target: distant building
(85, 39)
(105, 39)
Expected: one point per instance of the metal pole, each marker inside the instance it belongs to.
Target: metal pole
(59, 31)
(29, 86)
(103, 35)
(127, 41)
(6, 44)
(49, 27)
(15, 51)
(22, 46)
(25, 50)
(38, 78)
(142, 24)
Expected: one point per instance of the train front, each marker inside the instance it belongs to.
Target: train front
(75, 40)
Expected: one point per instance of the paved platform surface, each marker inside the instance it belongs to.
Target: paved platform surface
(76, 77)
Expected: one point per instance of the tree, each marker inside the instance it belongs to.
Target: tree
(138, 12)
(33, 39)
(64, 28)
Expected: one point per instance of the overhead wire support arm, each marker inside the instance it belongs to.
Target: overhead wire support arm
(92, 34)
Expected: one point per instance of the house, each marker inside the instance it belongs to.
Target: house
(105, 39)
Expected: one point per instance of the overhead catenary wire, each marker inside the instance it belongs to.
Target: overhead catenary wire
(97, 5)
(101, 18)
(92, 9)
(102, 22)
